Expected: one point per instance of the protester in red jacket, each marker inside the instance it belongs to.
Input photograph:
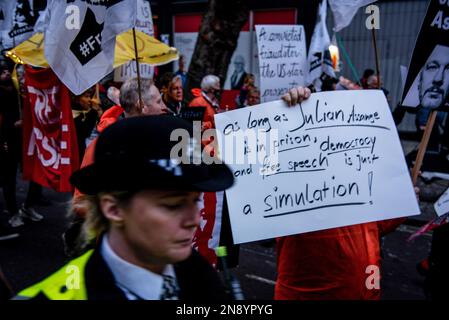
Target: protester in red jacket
(130, 107)
(338, 263)
(208, 97)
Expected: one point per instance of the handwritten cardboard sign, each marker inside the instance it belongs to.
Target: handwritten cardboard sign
(442, 205)
(332, 161)
(282, 59)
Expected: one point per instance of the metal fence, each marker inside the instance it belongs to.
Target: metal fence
(400, 22)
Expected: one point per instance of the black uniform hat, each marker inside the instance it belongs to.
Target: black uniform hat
(134, 154)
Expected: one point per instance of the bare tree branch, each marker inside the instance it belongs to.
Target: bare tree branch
(217, 40)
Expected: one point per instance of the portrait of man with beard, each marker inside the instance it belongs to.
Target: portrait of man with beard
(433, 84)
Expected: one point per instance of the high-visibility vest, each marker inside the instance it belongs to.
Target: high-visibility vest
(68, 283)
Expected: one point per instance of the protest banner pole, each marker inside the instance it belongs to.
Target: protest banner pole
(138, 68)
(423, 146)
(19, 94)
(376, 54)
(348, 59)
(97, 91)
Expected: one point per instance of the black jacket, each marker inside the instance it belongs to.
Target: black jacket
(197, 280)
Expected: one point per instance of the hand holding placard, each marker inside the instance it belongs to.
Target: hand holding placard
(331, 161)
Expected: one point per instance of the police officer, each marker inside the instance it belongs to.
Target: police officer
(143, 214)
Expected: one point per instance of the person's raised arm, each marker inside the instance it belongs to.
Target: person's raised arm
(296, 95)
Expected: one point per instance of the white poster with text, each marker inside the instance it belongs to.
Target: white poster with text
(144, 23)
(332, 161)
(282, 59)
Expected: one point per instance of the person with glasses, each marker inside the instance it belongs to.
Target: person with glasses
(174, 96)
(209, 97)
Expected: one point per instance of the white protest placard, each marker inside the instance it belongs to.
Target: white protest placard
(442, 205)
(282, 59)
(144, 23)
(332, 161)
(129, 70)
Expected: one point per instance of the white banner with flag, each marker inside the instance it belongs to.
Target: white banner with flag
(6, 8)
(319, 58)
(144, 23)
(17, 20)
(42, 21)
(345, 10)
(80, 39)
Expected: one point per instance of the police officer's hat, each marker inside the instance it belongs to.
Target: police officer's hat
(135, 154)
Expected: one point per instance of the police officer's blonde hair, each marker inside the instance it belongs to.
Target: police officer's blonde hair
(95, 223)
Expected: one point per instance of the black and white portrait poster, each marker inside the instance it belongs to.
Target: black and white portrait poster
(17, 20)
(427, 83)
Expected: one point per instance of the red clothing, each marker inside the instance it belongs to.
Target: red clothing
(201, 101)
(109, 117)
(330, 264)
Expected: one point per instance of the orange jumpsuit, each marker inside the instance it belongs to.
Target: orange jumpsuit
(201, 101)
(330, 264)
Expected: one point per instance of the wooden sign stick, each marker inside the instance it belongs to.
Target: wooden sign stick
(376, 54)
(423, 146)
(138, 69)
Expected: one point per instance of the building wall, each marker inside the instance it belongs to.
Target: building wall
(400, 22)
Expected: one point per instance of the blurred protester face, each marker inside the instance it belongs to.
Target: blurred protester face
(164, 82)
(175, 90)
(215, 92)
(114, 95)
(249, 80)
(152, 103)
(85, 100)
(5, 75)
(372, 82)
(253, 97)
(155, 105)
(366, 74)
(434, 79)
(154, 227)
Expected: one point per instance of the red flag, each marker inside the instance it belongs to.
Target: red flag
(49, 138)
(207, 235)
(429, 226)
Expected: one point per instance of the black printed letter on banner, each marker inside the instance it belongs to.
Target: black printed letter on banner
(87, 43)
